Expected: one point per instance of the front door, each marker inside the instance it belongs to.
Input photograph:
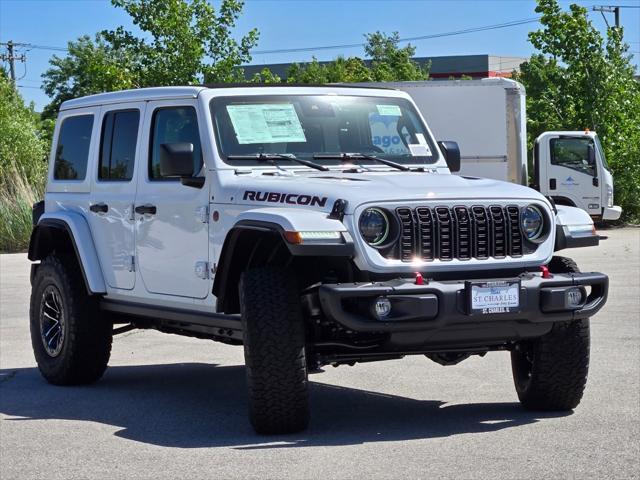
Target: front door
(573, 172)
(114, 189)
(171, 220)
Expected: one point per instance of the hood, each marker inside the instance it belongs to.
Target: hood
(321, 190)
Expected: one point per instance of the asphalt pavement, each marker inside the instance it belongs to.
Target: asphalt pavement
(173, 407)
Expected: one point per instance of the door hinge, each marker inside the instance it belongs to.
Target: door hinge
(202, 270)
(132, 213)
(203, 213)
(132, 264)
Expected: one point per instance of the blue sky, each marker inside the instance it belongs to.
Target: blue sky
(303, 23)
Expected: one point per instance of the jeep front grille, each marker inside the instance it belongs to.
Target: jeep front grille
(461, 233)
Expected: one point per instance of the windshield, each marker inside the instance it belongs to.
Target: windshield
(601, 150)
(309, 125)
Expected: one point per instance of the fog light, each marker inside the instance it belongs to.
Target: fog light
(381, 308)
(574, 297)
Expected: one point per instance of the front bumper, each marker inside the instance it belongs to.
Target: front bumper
(439, 306)
(611, 213)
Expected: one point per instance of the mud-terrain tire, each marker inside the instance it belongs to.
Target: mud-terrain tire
(550, 373)
(274, 351)
(77, 346)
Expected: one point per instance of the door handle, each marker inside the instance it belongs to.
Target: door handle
(596, 182)
(146, 209)
(552, 184)
(99, 208)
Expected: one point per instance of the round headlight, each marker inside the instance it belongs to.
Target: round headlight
(374, 226)
(532, 222)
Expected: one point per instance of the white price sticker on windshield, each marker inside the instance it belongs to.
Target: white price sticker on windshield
(389, 110)
(266, 123)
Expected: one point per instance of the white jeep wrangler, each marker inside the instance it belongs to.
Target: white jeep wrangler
(313, 225)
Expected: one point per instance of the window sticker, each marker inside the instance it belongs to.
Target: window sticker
(389, 110)
(419, 150)
(266, 123)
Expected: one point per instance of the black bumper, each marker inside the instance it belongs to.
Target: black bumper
(443, 307)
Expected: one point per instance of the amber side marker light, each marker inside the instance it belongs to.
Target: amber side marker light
(298, 238)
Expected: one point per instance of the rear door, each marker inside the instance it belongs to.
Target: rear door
(171, 224)
(573, 172)
(114, 188)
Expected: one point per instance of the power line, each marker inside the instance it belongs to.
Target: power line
(408, 39)
(11, 57)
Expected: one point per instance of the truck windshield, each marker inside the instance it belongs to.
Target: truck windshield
(308, 126)
(601, 150)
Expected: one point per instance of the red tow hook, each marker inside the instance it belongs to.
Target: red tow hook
(545, 271)
(419, 279)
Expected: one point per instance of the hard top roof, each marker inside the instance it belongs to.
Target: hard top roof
(163, 93)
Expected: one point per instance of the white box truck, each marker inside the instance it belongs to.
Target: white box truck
(488, 120)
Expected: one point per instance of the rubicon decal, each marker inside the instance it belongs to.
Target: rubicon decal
(288, 198)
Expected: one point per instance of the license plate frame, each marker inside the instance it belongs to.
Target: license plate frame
(479, 293)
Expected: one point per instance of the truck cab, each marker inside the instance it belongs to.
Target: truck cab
(571, 168)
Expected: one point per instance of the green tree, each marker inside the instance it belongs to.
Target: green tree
(22, 146)
(387, 62)
(578, 80)
(182, 42)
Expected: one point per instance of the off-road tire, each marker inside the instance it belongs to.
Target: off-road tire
(274, 351)
(563, 265)
(86, 333)
(550, 373)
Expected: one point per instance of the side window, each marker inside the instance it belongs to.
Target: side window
(573, 153)
(174, 125)
(72, 150)
(118, 145)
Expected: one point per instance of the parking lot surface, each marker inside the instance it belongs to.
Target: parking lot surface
(173, 407)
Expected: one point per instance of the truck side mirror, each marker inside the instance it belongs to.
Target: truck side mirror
(451, 153)
(176, 160)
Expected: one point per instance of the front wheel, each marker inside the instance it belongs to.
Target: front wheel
(550, 372)
(71, 339)
(274, 351)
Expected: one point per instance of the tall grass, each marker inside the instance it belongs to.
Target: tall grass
(17, 196)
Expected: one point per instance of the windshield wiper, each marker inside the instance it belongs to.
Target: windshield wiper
(271, 157)
(356, 156)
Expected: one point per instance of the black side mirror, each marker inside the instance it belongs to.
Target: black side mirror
(451, 153)
(176, 160)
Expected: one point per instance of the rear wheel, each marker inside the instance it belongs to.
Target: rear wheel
(550, 372)
(71, 339)
(274, 349)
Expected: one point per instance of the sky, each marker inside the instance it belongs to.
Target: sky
(287, 24)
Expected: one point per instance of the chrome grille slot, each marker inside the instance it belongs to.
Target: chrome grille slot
(425, 232)
(444, 233)
(480, 232)
(498, 232)
(515, 235)
(463, 233)
(407, 243)
(459, 232)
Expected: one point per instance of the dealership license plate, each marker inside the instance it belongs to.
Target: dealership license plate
(501, 296)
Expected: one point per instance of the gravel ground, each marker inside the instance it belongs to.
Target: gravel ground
(173, 407)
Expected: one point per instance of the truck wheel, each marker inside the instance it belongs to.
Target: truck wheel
(71, 339)
(550, 372)
(274, 351)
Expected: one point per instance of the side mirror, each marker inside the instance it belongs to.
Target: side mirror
(176, 160)
(451, 153)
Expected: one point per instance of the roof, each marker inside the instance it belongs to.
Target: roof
(164, 93)
(139, 94)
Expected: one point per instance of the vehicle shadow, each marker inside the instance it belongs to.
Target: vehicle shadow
(194, 405)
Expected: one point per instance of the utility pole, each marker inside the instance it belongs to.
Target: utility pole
(615, 9)
(11, 58)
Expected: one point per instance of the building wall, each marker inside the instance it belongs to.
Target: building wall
(476, 66)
